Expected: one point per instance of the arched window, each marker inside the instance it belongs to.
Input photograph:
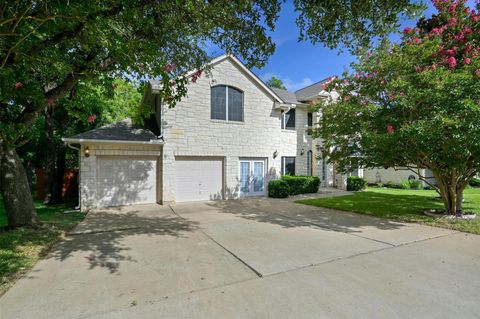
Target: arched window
(226, 103)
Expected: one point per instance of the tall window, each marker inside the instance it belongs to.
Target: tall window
(288, 120)
(226, 103)
(309, 119)
(288, 165)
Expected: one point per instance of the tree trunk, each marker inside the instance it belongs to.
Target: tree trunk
(451, 192)
(50, 155)
(15, 190)
(59, 172)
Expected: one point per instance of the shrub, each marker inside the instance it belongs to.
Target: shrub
(391, 184)
(405, 184)
(355, 183)
(474, 182)
(278, 189)
(302, 184)
(380, 184)
(416, 184)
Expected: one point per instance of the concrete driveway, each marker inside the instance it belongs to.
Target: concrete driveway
(256, 258)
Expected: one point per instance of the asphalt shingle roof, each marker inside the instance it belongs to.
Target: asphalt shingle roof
(286, 96)
(121, 131)
(310, 91)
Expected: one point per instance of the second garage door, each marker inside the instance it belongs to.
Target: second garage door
(198, 178)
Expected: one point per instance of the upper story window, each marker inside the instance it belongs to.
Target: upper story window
(226, 103)
(309, 119)
(288, 120)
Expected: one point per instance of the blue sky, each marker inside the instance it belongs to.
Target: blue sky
(299, 64)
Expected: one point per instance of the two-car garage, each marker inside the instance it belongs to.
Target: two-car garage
(135, 180)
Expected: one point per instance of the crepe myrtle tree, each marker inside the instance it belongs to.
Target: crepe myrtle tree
(47, 46)
(414, 104)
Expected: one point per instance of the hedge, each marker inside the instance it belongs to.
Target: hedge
(474, 182)
(302, 184)
(293, 185)
(355, 183)
(278, 189)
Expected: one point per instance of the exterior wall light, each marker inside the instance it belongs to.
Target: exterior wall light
(302, 151)
(275, 154)
(87, 152)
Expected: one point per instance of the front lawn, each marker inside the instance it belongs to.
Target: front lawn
(21, 248)
(403, 205)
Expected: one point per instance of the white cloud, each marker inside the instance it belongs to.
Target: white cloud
(290, 84)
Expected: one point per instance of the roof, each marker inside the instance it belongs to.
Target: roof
(156, 85)
(311, 90)
(286, 96)
(120, 131)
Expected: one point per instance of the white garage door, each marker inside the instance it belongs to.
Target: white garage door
(198, 178)
(126, 181)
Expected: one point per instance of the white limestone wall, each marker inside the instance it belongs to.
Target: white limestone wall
(382, 175)
(88, 166)
(189, 131)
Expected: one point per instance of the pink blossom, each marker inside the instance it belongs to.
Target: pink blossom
(452, 8)
(434, 67)
(407, 30)
(477, 72)
(417, 40)
(452, 62)
(475, 18)
(369, 54)
(467, 10)
(452, 21)
(50, 101)
(450, 52)
(91, 118)
(436, 31)
(169, 67)
(18, 85)
(467, 61)
(390, 129)
(196, 76)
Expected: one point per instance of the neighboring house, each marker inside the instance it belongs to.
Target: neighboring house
(226, 139)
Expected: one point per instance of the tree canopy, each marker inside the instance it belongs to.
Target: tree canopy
(414, 104)
(274, 82)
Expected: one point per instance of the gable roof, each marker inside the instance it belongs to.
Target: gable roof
(120, 131)
(311, 91)
(156, 85)
(286, 96)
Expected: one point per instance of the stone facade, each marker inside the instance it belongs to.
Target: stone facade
(188, 130)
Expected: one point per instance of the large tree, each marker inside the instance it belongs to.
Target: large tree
(414, 104)
(47, 46)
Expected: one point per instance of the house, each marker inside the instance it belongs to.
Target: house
(226, 139)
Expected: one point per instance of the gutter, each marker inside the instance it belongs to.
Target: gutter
(83, 140)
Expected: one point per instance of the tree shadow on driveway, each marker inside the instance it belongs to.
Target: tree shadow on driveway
(103, 234)
(289, 214)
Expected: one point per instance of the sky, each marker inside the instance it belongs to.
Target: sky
(299, 64)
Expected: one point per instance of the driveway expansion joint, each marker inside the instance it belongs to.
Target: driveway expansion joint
(256, 272)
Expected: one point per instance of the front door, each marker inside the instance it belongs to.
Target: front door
(252, 177)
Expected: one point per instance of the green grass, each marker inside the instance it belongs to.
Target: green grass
(403, 205)
(21, 248)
